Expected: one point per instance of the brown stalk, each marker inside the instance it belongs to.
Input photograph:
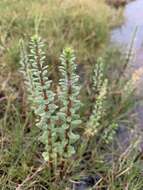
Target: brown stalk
(68, 114)
(30, 177)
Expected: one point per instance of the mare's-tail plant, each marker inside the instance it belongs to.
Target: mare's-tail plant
(100, 92)
(58, 139)
(41, 97)
(70, 103)
(100, 87)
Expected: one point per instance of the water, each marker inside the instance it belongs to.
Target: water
(133, 14)
(133, 17)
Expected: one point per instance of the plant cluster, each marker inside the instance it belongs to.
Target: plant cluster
(58, 121)
(56, 126)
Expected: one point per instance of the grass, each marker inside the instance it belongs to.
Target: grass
(85, 25)
(21, 163)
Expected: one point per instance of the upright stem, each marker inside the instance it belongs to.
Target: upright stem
(68, 114)
(69, 106)
(46, 107)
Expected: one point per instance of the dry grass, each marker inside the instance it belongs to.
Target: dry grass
(82, 24)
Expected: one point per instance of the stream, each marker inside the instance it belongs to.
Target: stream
(133, 17)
